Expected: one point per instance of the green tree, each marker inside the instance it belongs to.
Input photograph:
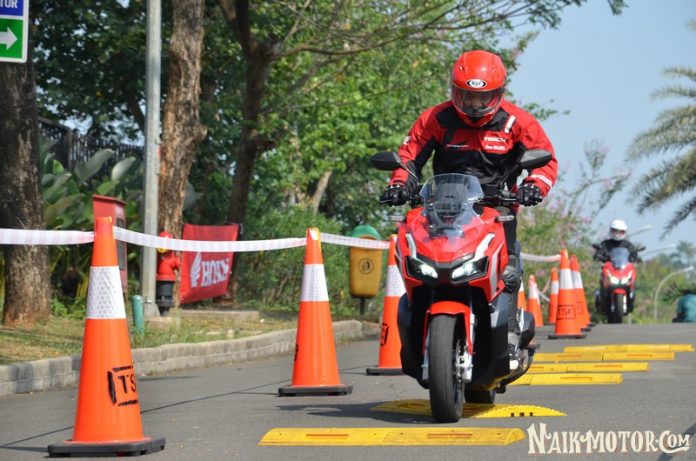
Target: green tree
(285, 45)
(674, 132)
(25, 267)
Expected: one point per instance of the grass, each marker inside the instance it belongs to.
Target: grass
(62, 336)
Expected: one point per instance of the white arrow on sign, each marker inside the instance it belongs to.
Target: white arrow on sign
(8, 38)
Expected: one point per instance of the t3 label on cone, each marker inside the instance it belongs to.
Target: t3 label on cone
(566, 322)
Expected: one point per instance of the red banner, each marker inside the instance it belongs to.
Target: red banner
(205, 275)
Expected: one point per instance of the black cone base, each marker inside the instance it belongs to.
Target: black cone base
(142, 447)
(580, 336)
(291, 391)
(384, 371)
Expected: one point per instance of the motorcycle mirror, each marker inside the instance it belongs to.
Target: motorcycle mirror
(534, 159)
(389, 161)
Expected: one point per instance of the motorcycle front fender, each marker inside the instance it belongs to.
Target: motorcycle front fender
(456, 308)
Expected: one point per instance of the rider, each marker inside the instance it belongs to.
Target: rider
(478, 132)
(617, 238)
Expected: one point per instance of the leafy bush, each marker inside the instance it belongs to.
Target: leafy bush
(273, 279)
(67, 198)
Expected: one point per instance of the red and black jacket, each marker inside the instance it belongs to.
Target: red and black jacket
(489, 152)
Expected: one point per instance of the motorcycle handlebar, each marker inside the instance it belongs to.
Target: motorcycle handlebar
(505, 199)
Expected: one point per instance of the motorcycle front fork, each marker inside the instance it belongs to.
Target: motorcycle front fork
(463, 360)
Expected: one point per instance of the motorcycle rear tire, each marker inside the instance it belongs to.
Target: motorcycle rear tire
(446, 341)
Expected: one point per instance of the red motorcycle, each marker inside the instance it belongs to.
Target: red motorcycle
(462, 336)
(615, 296)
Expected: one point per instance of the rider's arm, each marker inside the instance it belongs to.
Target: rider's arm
(531, 136)
(419, 144)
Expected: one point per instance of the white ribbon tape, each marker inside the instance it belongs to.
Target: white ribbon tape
(44, 237)
(541, 259)
(57, 237)
(355, 242)
(137, 238)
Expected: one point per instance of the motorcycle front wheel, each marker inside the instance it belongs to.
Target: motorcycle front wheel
(617, 312)
(446, 343)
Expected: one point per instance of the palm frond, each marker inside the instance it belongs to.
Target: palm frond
(675, 130)
(668, 180)
(689, 208)
(680, 71)
(669, 91)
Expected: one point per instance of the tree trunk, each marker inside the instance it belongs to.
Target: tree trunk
(27, 282)
(182, 130)
(250, 144)
(323, 183)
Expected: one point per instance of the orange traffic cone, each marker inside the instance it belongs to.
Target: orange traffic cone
(390, 344)
(107, 421)
(315, 370)
(582, 316)
(553, 297)
(533, 306)
(577, 283)
(566, 325)
(521, 300)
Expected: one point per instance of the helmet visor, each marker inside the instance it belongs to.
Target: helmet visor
(618, 234)
(476, 103)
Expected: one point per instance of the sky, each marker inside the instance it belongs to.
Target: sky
(603, 69)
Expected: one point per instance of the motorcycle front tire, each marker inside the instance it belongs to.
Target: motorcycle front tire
(617, 313)
(446, 342)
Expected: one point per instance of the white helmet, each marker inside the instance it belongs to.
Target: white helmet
(618, 229)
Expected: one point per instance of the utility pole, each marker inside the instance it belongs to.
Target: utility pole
(152, 132)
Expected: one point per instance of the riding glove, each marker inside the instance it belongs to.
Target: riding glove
(528, 194)
(395, 194)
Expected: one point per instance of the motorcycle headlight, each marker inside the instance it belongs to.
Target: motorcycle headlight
(626, 280)
(421, 270)
(470, 269)
(614, 280)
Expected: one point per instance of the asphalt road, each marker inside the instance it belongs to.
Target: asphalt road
(222, 413)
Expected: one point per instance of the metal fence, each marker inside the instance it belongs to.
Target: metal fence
(72, 148)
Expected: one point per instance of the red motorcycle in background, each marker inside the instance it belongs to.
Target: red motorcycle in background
(457, 320)
(615, 297)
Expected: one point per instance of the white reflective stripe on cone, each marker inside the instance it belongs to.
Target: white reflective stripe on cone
(566, 279)
(533, 291)
(577, 283)
(580, 281)
(314, 283)
(554, 287)
(105, 294)
(395, 286)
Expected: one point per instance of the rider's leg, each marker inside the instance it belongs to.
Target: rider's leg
(520, 324)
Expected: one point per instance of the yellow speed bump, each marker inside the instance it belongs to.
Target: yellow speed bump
(392, 436)
(619, 356)
(632, 348)
(470, 410)
(589, 367)
(591, 356)
(562, 379)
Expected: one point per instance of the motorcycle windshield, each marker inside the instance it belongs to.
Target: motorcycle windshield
(448, 204)
(619, 257)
